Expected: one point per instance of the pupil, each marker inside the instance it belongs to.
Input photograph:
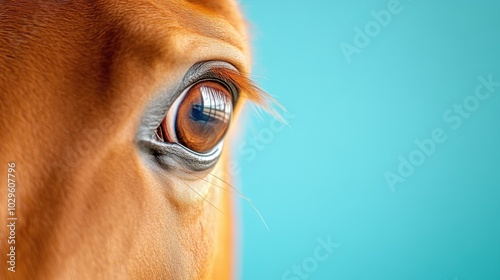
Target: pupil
(211, 106)
(203, 116)
(197, 113)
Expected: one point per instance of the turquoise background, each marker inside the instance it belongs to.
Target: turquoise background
(349, 124)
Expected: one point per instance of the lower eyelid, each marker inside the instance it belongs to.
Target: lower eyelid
(173, 156)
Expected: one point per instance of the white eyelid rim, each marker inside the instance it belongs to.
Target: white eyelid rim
(172, 116)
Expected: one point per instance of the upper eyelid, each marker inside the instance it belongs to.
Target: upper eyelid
(210, 74)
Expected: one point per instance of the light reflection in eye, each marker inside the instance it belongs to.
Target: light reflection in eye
(200, 120)
(215, 106)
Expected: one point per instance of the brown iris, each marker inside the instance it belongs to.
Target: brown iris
(202, 117)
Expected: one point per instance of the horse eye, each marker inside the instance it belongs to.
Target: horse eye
(199, 118)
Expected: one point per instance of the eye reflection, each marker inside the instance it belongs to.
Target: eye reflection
(214, 106)
(200, 120)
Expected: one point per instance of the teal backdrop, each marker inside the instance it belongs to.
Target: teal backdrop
(389, 168)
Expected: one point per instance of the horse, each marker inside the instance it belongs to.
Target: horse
(113, 119)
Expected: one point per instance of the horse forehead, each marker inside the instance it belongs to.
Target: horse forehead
(158, 26)
(156, 21)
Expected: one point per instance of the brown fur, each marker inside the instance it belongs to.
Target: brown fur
(75, 77)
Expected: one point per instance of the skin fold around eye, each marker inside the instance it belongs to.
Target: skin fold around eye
(157, 136)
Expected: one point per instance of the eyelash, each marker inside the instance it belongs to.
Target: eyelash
(226, 81)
